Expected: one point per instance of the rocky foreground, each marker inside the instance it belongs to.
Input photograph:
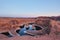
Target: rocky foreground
(43, 37)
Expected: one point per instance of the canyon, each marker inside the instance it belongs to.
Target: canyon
(10, 25)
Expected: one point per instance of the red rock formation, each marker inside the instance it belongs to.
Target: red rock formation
(7, 25)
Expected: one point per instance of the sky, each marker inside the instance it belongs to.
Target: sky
(29, 8)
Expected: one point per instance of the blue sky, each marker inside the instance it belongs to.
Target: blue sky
(29, 8)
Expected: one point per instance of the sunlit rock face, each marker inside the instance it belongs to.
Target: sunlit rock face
(48, 24)
(44, 23)
(55, 27)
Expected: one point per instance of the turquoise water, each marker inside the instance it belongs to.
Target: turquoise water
(23, 31)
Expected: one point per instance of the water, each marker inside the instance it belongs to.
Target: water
(23, 31)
